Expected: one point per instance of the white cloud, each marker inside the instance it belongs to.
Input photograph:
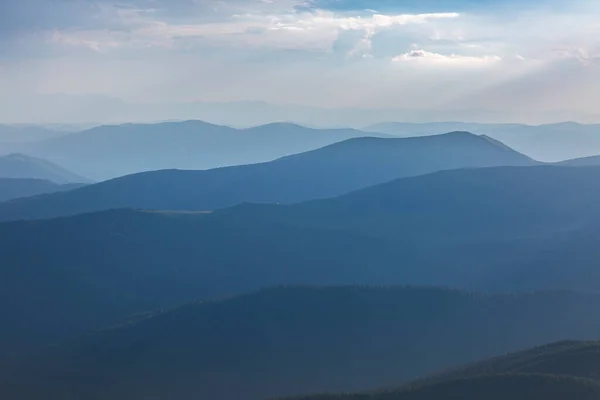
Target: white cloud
(300, 31)
(221, 50)
(429, 58)
(580, 54)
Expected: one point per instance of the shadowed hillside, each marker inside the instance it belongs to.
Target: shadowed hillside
(295, 340)
(569, 358)
(494, 387)
(563, 370)
(497, 229)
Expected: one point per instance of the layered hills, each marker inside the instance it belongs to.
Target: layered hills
(327, 172)
(21, 166)
(110, 151)
(14, 188)
(548, 143)
(493, 229)
(558, 371)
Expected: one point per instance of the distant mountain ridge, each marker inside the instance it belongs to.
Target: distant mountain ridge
(436, 128)
(582, 162)
(326, 172)
(548, 143)
(23, 166)
(14, 134)
(106, 152)
(14, 188)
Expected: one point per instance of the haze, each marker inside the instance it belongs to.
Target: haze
(97, 61)
(271, 199)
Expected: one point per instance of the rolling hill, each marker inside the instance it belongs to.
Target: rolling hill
(582, 162)
(327, 172)
(493, 387)
(18, 134)
(21, 166)
(561, 370)
(548, 143)
(298, 340)
(107, 152)
(492, 229)
(11, 189)
(409, 129)
(569, 358)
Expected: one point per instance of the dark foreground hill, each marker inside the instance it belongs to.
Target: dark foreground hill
(493, 387)
(496, 229)
(107, 152)
(22, 166)
(295, 340)
(564, 370)
(568, 358)
(13, 188)
(327, 172)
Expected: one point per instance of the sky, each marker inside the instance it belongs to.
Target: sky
(514, 59)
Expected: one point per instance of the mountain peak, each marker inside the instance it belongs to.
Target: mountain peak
(328, 172)
(460, 133)
(564, 125)
(279, 125)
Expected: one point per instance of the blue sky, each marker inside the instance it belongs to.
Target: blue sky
(507, 55)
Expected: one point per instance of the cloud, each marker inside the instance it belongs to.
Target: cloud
(314, 52)
(392, 6)
(580, 54)
(429, 58)
(290, 30)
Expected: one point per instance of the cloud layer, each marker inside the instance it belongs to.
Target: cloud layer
(334, 53)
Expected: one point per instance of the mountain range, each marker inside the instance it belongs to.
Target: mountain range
(298, 340)
(411, 129)
(11, 189)
(548, 143)
(22, 166)
(582, 162)
(14, 134)
(493, 229)
(106, 152)
(326, 172)
(110, 151)
(152, 285)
